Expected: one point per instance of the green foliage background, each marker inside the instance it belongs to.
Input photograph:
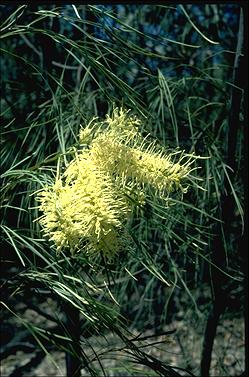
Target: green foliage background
(62, 65)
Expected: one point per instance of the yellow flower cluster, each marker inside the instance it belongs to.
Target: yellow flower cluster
(89, 204)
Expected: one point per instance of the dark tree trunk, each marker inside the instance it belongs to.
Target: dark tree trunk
(72, 324)
(219, 280)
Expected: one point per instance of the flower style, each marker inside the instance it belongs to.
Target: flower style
(115, 171)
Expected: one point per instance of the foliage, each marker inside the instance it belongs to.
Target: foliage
(173, 67)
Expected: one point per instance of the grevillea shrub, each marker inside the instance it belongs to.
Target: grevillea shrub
(111, 175)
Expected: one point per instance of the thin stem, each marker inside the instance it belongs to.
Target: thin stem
(72, 323)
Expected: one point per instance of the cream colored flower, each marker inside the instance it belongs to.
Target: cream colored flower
(90, 204)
